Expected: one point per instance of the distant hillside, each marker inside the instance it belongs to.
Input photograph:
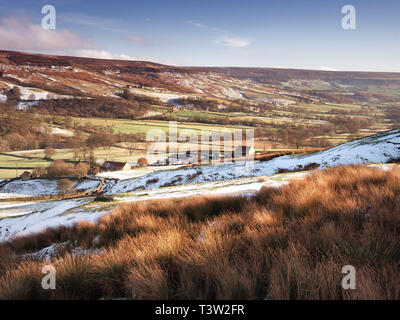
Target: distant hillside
(87, 77)
(263, 74)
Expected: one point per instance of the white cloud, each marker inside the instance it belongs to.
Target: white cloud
(21, 34)
(198, 25)
(102, 54)
(327, 68)
(233, 42)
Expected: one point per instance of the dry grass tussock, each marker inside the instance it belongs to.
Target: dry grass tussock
(288, 243)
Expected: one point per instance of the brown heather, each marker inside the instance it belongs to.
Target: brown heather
(288, 243)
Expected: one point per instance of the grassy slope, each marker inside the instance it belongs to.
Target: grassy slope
(283, 244)
(143, 126)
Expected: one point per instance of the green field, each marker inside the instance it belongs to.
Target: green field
(11, 166)
(143, 126)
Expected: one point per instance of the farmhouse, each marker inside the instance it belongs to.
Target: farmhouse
(114, 166)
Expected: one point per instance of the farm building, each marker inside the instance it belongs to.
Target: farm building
(114, 166)
(26, 176)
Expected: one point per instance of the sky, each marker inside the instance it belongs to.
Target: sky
(306, 34)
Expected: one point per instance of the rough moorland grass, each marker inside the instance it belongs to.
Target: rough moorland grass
(288, 243)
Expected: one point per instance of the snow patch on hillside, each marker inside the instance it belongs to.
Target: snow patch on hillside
(30, 93)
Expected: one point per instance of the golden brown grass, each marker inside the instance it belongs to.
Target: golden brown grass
(288, 243)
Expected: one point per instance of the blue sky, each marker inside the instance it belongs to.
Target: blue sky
(303, 34)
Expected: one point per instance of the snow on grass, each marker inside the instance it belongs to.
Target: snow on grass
(135, 173)
(62, 132)
(11, 195)
(86, 184)
(41, 187)
(240, 187)
(37, 187)
(46, 77)
(37, 216)
(31, 93)
(52, 251)
(22, 105)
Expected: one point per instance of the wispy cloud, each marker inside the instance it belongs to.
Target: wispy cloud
(102, 54)
(206, 27)
(233, 42)
(198, 25)
(20, 34)
(227, 38)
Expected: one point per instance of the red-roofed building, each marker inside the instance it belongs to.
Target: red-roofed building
(114, 166)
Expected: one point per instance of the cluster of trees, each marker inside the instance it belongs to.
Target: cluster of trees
(15, 141)
(393, 113)
(18, 130)
(350, 124)
(203, 104)
(332, 96)
(199, 103)
(148, 77)
(301, 135)
(127, 95)
(296, 135)
(61, 169)
(102, 107)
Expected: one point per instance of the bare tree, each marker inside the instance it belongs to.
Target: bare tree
(65, 186)
(49, 152)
